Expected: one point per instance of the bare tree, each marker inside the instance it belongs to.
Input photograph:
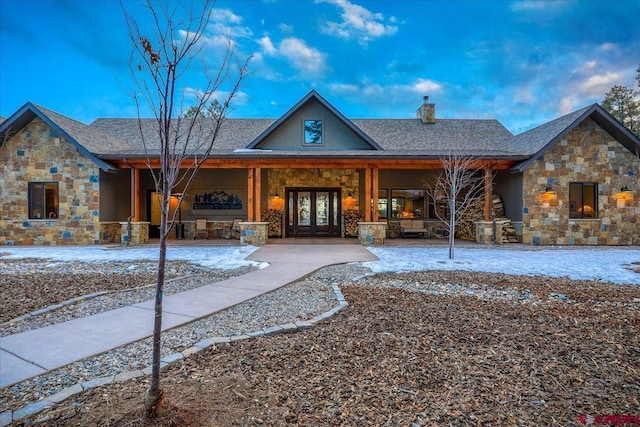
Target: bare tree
(160, 59)
(459, 186)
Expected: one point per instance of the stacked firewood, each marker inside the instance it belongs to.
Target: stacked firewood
(507, 232)
(466, 227)
(497, 206)
(351, 219)
(274, 218)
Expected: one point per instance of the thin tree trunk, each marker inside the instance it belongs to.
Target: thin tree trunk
(154, 396)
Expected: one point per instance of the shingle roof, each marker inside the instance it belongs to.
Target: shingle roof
(536, 141)
(88, 140)
(478, 137)
(396, 137)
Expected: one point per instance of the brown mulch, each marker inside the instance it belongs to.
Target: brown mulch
(396, 357)
(39, 288)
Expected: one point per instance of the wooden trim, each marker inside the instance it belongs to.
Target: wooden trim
(367, 194)
(487, 193)
(309, 163)
(258, 193)
(136, 194)
(374, 194)
(250, 193)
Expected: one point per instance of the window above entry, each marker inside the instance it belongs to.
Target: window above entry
(313, 132)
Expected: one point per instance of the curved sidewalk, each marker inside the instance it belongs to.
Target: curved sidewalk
(35, 352)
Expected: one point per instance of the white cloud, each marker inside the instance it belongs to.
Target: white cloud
(358, 23)
(386, 97)
(308, 61)
(599, 84)
(425, 86)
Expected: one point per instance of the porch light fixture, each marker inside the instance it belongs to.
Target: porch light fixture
(548, 189)
(625, 194)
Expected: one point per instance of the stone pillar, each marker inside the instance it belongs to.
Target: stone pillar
(372, 233)
(485, 232)
(254, 233)
(139, 233)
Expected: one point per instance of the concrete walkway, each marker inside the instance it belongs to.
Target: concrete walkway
(35, 352)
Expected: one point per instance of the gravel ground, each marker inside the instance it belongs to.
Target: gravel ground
(295, 302)
(298, 301)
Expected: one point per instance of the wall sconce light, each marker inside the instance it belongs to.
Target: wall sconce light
(548, 189)
(625, 194)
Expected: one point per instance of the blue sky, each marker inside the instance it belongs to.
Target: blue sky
(521, 62)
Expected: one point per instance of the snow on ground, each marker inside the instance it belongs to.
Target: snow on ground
(222, 257)
(590, 263)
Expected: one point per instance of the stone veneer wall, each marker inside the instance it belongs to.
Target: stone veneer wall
(37, 153)
(586, 154)
(347, 179)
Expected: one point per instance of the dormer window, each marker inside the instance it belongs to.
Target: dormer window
(313, 132)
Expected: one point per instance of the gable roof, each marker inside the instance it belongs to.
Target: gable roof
(535, 142)
(87, 140)
(314, 96)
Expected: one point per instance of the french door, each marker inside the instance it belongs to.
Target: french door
(313, 212)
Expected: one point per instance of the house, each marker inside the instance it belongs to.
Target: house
(572, 181)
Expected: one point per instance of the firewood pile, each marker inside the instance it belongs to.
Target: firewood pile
(351, 219)
(507, 232)
(466, 228)
(274, 218)
(497, 206)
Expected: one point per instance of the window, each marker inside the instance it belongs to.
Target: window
(383, 203)
(583, 200)
(313, 132)
(43, 200)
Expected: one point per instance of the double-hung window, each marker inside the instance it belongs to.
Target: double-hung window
(583, 200)
(43, 200)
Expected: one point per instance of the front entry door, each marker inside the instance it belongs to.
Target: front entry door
(313, 212)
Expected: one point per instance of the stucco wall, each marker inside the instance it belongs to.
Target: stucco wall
(586, 154)
(38, 154)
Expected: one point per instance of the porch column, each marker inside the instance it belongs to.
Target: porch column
(367, 195)
(487, 193)
(257, 176)
(374, 190)
(135, 194)
(250, 193)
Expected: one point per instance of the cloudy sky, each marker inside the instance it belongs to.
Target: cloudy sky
(521, 62)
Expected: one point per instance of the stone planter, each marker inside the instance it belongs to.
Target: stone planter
(254, 233)
(372, 233)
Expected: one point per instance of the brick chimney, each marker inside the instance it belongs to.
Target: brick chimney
(427, 111)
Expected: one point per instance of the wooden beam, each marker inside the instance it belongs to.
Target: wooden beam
(136, 194)
(250, 193)
(258, 193)
(487, 193)
(367, 194)
(374, 194)
(314, 163)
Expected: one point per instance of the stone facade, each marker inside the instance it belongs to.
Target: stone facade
(586, 154)
(37, 153)
(346, 179)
